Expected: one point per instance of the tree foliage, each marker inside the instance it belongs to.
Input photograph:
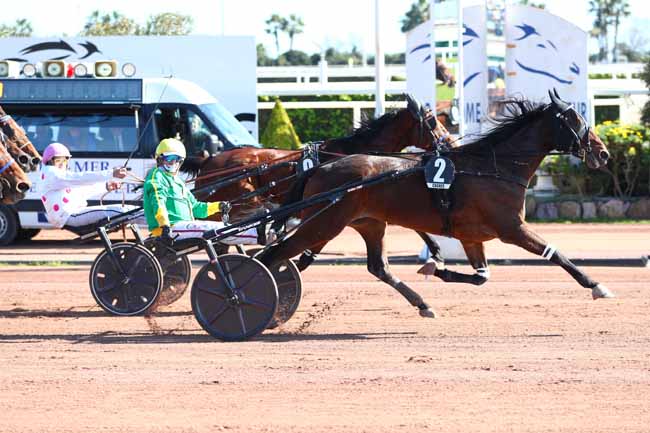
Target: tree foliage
(415, 16)
(274, 26)
(294, 26)
(21, 28)
(117, 24)
(109, 24)
(645, 76)
(607, 14)
(168, 23)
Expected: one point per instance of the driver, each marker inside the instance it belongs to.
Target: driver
(65, 192)
(170, 207)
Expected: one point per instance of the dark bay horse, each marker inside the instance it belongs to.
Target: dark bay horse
(14, 183)
(18, 144)
(487, 196)
(392, 132)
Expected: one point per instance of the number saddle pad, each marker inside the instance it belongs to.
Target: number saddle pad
(439, 172)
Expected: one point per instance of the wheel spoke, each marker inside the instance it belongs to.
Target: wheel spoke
(213, 292)
(240, 315)
(260, 305)
(135, 265)
(286, 283)
(108, 288)
(219, 313)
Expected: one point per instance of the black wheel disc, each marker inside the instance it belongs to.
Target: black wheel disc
(177, 273)
(242, 313)
(130, 290)
(289, 282)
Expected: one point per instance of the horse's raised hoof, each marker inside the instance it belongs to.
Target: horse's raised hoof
(428, 313)
(428, 269)
(600, 291)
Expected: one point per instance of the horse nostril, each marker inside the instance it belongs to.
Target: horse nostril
(604, 155)
(22, 187)
(23, 159)
(36, 160)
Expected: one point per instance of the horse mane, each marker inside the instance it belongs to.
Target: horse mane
(514, 115)
(193, 164)
(367, 130)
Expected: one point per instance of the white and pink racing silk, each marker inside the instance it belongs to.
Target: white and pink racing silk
(64, 192)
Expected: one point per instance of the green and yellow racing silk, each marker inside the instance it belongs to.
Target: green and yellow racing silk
(167, 200)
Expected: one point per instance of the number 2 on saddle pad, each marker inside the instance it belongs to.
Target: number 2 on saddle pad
(439, 173)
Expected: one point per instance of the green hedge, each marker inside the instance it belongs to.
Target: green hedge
(627, 173)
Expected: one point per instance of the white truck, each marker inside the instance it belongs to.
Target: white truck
(104, 121)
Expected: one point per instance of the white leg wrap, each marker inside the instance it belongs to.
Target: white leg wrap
(483, 272)
(549, 251)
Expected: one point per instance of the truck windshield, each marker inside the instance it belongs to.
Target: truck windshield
(232, 130)
(81, 130)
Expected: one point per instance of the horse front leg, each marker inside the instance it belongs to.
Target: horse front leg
(373, 232)
(476, 256)
(527, 239)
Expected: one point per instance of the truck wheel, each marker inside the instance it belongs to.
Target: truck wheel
(27, 234)
(8, 225)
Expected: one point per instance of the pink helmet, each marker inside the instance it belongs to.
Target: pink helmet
(55, 149)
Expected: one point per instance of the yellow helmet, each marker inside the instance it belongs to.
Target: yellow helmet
(171, 146)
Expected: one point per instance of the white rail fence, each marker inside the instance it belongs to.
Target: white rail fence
(316, 80)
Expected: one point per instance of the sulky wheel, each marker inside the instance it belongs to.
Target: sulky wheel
(289, 282)
(177, 272)
(130, 286)
(242, 313)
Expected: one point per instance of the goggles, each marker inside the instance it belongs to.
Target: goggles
(170, 159)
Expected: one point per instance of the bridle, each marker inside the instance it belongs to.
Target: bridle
(6, 120)
(580, 144)
(425, 117)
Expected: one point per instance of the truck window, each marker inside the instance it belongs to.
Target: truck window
(186, 125)
(83, 131)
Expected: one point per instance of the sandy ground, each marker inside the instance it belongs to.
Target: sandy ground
(528, 352)
(574, 240)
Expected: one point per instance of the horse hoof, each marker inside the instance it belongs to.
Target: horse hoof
(600, 291)
(428, 269)
(428, 313)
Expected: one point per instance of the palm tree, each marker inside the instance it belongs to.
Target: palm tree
(294, 27)
(274, 26)
(418, 14)
(602, 20)
(619, 9)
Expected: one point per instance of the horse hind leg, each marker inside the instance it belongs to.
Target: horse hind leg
(435, 260)
(524, 237)
(476, 256)
(373, 232)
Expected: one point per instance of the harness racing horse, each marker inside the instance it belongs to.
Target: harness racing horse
(488, 194)
(392, 132)
(18, 144)
(14, 183)
(444, 74)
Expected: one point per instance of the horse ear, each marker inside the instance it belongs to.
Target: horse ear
(412, 105)
(556, 94)
(552, 97)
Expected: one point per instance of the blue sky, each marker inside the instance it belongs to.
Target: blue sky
(331, 23)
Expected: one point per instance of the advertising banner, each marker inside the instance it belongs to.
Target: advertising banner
(543, 51)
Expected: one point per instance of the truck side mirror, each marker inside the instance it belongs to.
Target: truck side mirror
(216, 144)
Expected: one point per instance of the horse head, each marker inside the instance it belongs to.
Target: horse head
(428, 132)
(444, 74)
(18, 144)
(14, 183)
(573, 134)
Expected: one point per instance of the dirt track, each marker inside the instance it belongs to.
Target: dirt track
(529, 352)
